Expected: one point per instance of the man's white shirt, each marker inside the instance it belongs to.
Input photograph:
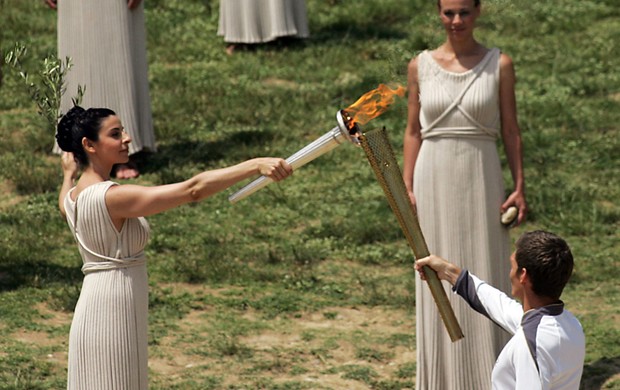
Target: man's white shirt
(547, 349)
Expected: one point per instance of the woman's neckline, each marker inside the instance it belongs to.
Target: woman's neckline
(478, 64)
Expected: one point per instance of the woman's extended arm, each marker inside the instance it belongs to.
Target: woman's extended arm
(511, 135)
(130, 201)
(412, 139)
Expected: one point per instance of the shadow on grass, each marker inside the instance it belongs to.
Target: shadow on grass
(350, 30)
(233, 147)
(280, 44)
(36, 273)
(337, 32)
(599, 372)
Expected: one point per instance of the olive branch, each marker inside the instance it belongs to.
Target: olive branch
(47, 85)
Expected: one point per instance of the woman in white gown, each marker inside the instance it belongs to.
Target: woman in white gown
(260, 21)
(108, 337)
(461, 100)
(106, 41)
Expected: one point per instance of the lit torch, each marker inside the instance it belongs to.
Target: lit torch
(367, 107)
(381, 158)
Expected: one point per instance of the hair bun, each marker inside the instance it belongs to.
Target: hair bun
(68, 130)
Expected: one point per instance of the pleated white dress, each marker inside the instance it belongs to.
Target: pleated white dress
(459, 189)
(107, 45)
(258, 21)
(108, 337)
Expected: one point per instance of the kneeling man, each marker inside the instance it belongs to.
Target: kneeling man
(548, 345)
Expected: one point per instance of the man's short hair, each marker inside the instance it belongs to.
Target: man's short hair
(548, 261)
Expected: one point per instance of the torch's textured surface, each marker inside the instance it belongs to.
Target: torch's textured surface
(381, 157)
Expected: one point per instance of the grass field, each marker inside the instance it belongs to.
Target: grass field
(307, 284)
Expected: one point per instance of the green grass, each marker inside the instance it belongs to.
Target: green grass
(306, 284)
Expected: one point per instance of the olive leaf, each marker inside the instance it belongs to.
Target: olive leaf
(46, 85)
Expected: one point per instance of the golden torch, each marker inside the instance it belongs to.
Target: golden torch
(381, 157)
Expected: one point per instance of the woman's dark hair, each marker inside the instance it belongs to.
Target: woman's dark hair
(76, 124)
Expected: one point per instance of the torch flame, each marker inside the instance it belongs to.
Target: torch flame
(373, 103)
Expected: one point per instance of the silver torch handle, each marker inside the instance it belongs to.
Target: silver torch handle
(318, 147)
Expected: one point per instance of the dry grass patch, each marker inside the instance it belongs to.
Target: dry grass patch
(310, 349)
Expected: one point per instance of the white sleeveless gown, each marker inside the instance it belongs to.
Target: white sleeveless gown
(108, 337)
(258, 21)
(459, 189)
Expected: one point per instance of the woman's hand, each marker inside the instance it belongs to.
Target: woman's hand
(69, 166)
(516, 199)
(70, 169)
(53, 4)
(275, 168)
(412, 200)
(131, 4)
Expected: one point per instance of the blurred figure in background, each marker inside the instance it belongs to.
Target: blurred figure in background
(106, 41)
(258, 21)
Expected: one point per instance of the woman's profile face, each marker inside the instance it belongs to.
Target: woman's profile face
(113, 143)
(458, 17)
